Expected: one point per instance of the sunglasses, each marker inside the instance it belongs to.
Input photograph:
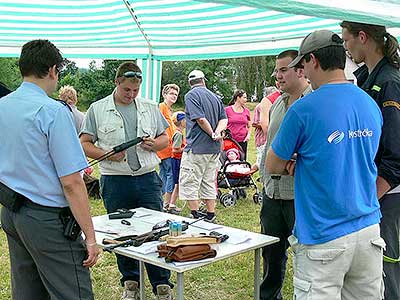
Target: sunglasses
(132, 74)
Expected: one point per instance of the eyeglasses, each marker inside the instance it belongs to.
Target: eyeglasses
(132, 74)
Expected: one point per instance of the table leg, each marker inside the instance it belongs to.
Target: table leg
(179, 286)
(257, 256)
(141, 272)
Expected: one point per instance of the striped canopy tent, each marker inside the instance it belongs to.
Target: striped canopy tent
(152, 31)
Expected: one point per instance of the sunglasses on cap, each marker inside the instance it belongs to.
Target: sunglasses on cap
(132, 74)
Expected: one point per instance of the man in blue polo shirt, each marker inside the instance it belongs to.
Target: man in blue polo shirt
(205, 119)
(331, 138)
(40, 160)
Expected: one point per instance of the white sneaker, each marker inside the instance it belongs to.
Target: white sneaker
(164, 292)
(131, 290)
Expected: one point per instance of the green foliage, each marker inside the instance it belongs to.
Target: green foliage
(9, 72)
(224, 76)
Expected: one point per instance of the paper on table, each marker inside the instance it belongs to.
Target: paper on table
(185, 263)
(140, 214)
(235, 237)
(206, 225)
(146, 248)
(114, 227)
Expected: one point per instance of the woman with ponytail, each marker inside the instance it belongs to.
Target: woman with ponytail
(380, 78)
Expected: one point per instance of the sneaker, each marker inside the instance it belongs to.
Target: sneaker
(212, 220)
(131, 290)
(174, 210)
(164, 292)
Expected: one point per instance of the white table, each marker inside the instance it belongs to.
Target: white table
(144, 219)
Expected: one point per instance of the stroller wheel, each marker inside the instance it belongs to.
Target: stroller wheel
(257, 198)
(219, 194)
(227, 200)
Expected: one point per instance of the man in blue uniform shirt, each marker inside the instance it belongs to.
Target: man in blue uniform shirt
(330, 138)
(40, 159)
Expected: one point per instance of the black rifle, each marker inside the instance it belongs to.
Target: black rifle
(117, 149)
(138, 240)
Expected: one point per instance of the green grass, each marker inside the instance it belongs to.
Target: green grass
(228, 279)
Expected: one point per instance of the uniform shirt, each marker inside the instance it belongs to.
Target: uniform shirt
(383, 84)
(335, 132)
(202, 103)
(38, 145)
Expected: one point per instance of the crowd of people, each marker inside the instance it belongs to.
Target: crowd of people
(328, 152)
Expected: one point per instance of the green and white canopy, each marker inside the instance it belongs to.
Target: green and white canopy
(155, 30)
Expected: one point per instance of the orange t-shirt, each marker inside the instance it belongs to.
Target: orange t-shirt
(166, 153)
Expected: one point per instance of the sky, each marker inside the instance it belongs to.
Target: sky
(84, 63)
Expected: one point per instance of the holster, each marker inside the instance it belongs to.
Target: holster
(72, 230)
(10, 198)
(185, 253)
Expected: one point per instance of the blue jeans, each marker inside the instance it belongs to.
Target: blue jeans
(166, 176)
(124, 191)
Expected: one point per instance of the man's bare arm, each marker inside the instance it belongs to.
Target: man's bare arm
(274, 164)
(95, 152)
(76, 195)
(382, 187)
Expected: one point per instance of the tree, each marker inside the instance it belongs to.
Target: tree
(9, 72)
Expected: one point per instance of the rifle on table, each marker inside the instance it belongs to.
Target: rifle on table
(138, 240)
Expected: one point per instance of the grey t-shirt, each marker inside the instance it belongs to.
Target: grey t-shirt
(129, 117)
(202, 103)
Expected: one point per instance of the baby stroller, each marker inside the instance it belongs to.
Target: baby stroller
(233, 176)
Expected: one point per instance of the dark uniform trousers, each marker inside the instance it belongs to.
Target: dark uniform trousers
(44, 264)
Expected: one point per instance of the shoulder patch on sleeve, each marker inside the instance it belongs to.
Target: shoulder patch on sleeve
(376, 88)
(391, 103)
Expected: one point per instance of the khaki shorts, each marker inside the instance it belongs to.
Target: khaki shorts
(197, 176)
(347, 268)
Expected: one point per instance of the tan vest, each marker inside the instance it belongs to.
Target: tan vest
(110, 132)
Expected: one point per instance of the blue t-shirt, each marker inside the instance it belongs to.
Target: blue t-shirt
(202, 103)
(38, 145)
(335, 132)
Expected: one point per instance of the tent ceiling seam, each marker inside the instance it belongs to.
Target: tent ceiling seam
(132, 13)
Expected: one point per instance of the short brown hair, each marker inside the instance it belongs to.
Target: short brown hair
(37, 57)
(126, 67)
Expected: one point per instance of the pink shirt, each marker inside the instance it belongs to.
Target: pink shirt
(237, 123)
(274, 96)
(260, 137)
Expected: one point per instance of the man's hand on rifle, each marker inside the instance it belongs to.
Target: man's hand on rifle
(117, 156)
(148, 144)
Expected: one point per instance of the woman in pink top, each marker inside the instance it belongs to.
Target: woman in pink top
(239, 122)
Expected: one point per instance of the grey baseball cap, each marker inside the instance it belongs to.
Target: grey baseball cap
(314, 41)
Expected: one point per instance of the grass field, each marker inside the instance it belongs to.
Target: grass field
(228, 279)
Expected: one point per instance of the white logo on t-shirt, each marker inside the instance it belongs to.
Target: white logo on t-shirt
(336, 137)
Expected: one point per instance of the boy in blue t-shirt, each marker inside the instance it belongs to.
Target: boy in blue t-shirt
(330, 138)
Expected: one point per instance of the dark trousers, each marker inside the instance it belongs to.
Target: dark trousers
(44, 264)
(390, 225)
(244, 148)
(277, 219)
(120, 191)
